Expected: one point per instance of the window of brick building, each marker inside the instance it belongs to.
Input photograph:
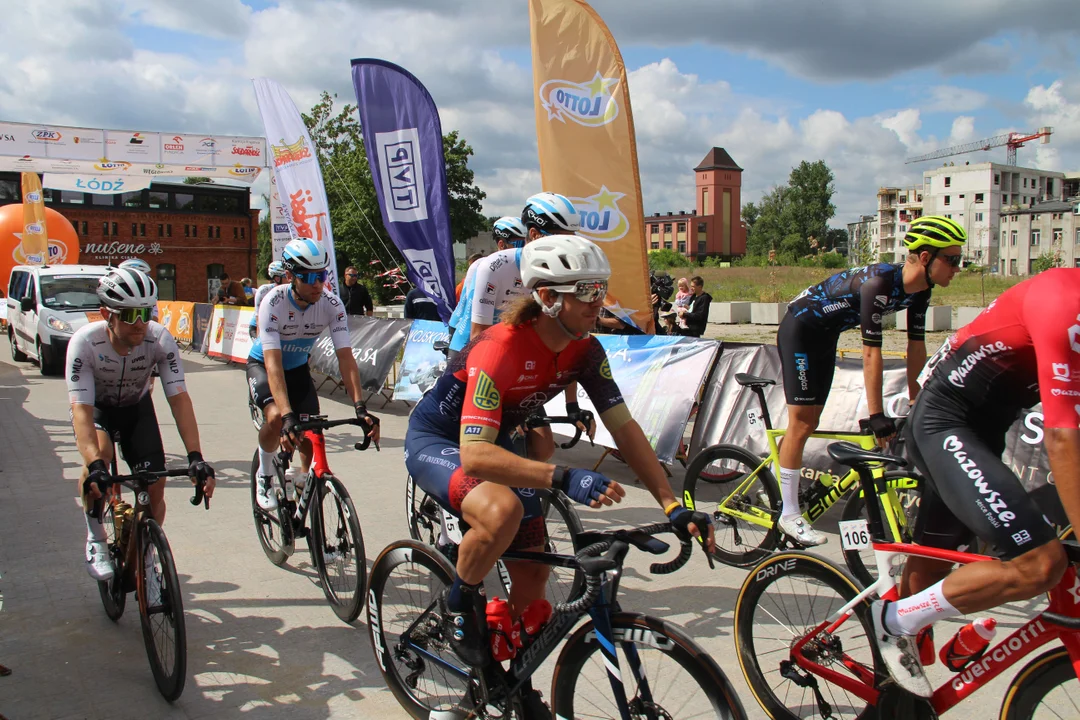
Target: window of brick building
(701, 249)
(159, 200)
(682, 247)
(242, 234)
(655, 245)
(187, 231)
(235, 232)
(108, 200)
(134, 229)
(667, 227)
(184, 201)
(681, 227)
(166, 281)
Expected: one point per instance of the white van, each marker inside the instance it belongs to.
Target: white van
(45, 306)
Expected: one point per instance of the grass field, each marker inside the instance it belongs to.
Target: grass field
(781, 284)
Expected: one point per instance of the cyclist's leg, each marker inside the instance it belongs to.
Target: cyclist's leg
(304, 399)
(528, 579)
(105, 448)
(270, 432)
(142, 449)
(97, 556)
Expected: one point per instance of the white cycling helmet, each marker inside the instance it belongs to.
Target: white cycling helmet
(509, 228)
(275, 269)
(136, 264)
(551, 214)
(562, 260)
(304, 255)
(125, 288)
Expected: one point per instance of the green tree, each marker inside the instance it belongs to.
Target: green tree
(792, 220)
(812, 189)
(265, 242)
(195, 180)
(1046, 261)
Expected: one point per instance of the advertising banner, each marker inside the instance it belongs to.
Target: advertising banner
(375, 345)
(229, 338)
(585, 135)
(280, 232)
(201, 317)
(178, 318)
(403, 137)
(35, 237)
(63, 241)
(421, 364)
(126, 147)
(659, 377)
(296, 167)
(99, 184)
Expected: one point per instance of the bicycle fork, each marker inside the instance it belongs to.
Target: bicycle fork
(605, 637)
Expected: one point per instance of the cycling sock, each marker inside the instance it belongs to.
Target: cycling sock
(458, 600)
(789, 491)
(95, 531)
(911, 614)
(266, 462)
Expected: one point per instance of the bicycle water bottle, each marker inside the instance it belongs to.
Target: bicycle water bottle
(531, 621)
(500, 626)
(968, 644)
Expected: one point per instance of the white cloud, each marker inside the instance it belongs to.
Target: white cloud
(212, 18)
(952, 99)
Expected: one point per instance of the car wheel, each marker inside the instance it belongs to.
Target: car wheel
(46, 364)
(16, 354)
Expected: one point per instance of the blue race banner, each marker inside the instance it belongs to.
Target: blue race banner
(659, 377)
(403, 139)
(422, 364)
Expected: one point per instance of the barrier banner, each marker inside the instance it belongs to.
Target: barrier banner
(585, 137)
(421, 364)
(200, 326)
(659, 377)
(375, 345)
(404, 142)
(178, 318)
(35, 236)
(296, 168)
(229, 338)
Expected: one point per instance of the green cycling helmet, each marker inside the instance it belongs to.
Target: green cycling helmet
(934, 231)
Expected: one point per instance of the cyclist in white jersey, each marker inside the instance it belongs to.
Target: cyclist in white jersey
(291, 318)
(109, 366)
(278, 275)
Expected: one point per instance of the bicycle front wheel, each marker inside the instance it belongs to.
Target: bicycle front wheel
(907, 489)
(780, 602)
(743, 499)
(338, 547)
(1045, 688)
(161, 608)
(669, 675)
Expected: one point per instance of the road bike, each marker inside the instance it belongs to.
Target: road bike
(143, 563)
(333, 534)
(616, 665)
(430, 523)
(803, 633)
(740, 491)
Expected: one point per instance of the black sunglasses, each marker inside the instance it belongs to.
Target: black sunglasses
(952, 260)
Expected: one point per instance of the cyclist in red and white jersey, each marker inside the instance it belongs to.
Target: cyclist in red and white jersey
(1022, 350)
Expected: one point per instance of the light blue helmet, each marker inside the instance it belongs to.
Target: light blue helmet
(276, 269)
(551, 214)
(305, 255)
(511, 231)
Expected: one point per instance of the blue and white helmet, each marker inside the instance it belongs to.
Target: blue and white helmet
(136, 264)
(125, 288)
(509, 228)
(305, 255)
(551, 214)
(275, 269)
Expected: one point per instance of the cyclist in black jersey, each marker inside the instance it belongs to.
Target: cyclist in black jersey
(859, 297)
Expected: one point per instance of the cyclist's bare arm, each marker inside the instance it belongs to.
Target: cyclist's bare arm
(873, 368)
(475, 330)
(275, 376)
(82, 418)
(916, 359)
(1063, 449)
(495, 464)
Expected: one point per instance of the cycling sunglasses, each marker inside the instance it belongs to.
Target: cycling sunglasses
(133, 315)
(952, 260)
(586, 291)
(310, 278)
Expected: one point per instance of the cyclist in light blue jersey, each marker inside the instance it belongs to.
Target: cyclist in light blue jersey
(278, 275)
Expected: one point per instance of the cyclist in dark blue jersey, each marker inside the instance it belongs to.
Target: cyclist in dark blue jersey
(859, 297)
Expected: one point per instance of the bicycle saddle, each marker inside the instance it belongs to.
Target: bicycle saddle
(852, 455)
(748, 380)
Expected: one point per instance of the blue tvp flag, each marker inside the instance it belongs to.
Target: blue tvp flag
(403, 139)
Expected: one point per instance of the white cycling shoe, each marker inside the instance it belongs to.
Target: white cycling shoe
(900, 654)
(264, 493)
(796, 528)
(98, 562)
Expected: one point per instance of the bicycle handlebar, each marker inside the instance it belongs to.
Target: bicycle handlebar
(155, 475)
(322, 423)
(537, 421)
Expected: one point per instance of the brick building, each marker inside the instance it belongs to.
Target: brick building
(714, 228)
(189, 234)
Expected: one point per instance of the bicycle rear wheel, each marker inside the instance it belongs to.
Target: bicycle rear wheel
(405, 627)
(422, 512)
(161, 608)
(862, 563)
(274, 527)
(782, 599)
(670, 677)
(1045, 688)
(113, 596)
(338, 547)
(744, 512)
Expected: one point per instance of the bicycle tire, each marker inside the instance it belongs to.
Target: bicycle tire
(113, 597)
(346, 607)
(266, 520)
(647, 634)
(1027, 691)
(733, 534)
(775, 569)
(403, 680)
(423, 520)
(855, 509)
(170, 679)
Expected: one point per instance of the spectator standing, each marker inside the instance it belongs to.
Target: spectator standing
(229, 291)
(696, 314)
(354, 294)
(419, 306)
(682, 299)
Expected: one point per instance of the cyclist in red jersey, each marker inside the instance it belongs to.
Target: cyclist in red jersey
(457, 447)
(1022, 350)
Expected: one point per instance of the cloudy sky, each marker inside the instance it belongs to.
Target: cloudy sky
(860, 84)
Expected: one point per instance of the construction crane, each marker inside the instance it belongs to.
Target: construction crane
(1011, 141)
